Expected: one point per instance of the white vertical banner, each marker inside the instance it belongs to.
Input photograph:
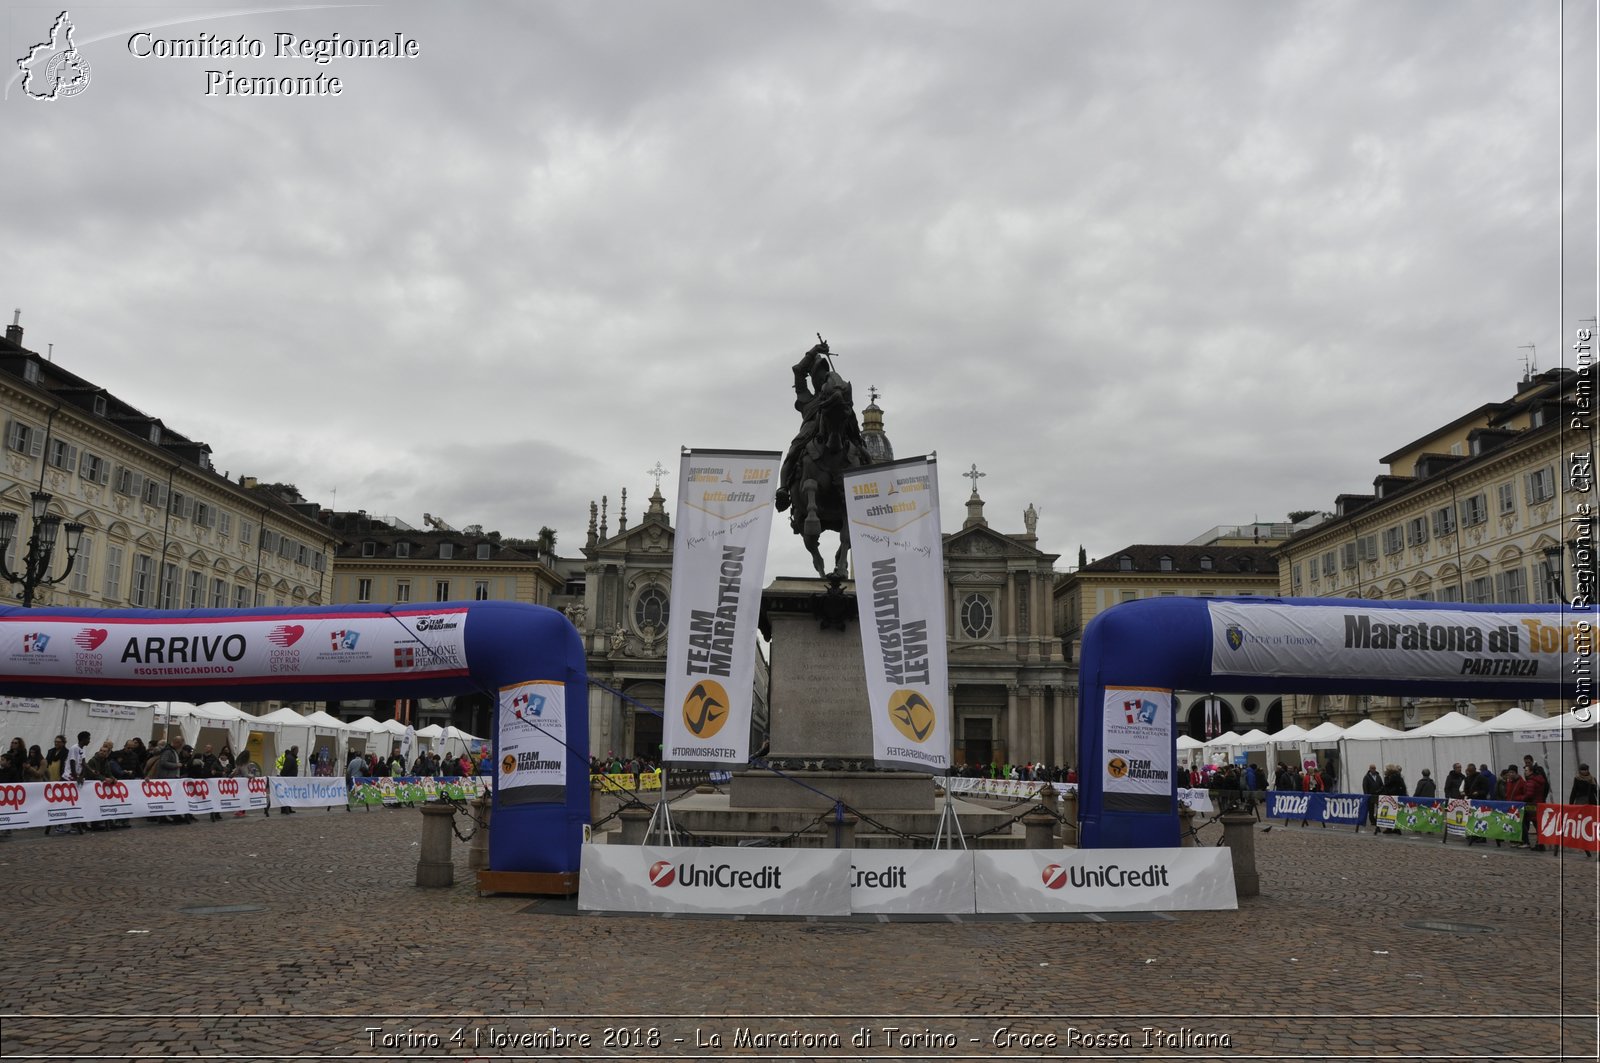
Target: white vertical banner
(719, 557)
(893, 510)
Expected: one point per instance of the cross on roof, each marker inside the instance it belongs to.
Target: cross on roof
(974, 475)
(658, 472)
(873, 393)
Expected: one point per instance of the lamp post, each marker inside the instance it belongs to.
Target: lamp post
(1555, 570)
(41, 548)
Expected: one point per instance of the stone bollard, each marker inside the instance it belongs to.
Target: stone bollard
(478, 854)
(1238, 834)
(843, 826)
(635, 821)
(1038, 830)
(1186, 825)
(435, 867)
(1069, 820)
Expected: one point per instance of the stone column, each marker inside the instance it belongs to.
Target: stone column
(478, 854)
(1069, 817)
(635, 821)
(1036, 724)
(1013, 724)
(434, 866)
(1238, 834)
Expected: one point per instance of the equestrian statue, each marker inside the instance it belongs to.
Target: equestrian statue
(828, 445)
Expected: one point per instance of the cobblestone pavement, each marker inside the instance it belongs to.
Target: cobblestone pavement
(337, 954)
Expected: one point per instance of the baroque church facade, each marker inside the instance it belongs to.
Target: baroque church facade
(1014, 694)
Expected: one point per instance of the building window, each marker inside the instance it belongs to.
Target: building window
(651, 609)
(483, 551)
(63, 455)
(447, 551)
(1541, 485)
(94, 468)
(219, 594)
(480, 590)
(1449, 593)
(194, 589)
(1480, 591)
(402, 549)
(224, 523)
(81, 566)
(1129, 596)
(1394, 540)
(139, 591)
(1444, 521)
(441, 590)
(1417, 531)
(1164, 563)
(1295, 578)
(113, 584)
(1206, 563)
(402, 590)
(154, 494)
(1330, 563)
(1124, 563)
(1510, 588)
(169, 586)
(369, 549)
(247, 533)
(1506, 494)
(363, 590)
(241, 596)
(1474, 510)
(24, 439)
(977, 616)
(1347, 555)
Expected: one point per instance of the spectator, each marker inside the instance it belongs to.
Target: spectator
(1313, 783)
(245, 768)
(1372, 786)
(1454, 782)
(18, 751)
(77, 757)
(1426, 787)
(1394, 785)
(1584, 789)
(33, 766)
(290, 769)
(55, 761)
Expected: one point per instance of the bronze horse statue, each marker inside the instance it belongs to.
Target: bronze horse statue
(828, 445)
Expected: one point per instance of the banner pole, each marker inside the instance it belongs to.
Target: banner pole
(661, 818)
(948, 818)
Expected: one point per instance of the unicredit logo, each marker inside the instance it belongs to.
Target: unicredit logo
(156, 788)
(61, 793)
(256, 785)
(1054, 876)
(228, 787)
(720, 876)
(1558, 822)
(661, 873)
(12, 796)
(111, 790)
(197, 788)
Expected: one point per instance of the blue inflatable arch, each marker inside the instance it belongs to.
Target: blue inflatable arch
(529, 657)
(1137, 653)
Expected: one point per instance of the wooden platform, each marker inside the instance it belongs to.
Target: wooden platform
(538, 883)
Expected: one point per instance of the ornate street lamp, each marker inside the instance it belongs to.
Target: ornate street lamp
(1555, 570)
(41, 548)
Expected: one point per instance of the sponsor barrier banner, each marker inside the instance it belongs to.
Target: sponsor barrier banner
(1572, 826)
(1457, 814)
(893, 513)
(1388, 812)
(626, 784)
(912, 881)
(1136, 748)
(1348, 809)
(129, 652)
(1421, 815)
(413, 789)
(533, 743)
(726, 880)
(1496, 820)
(1111, 880)
(49, 804)
(298, 791)
(1197, 798)
(1348, 641)
(719, 557)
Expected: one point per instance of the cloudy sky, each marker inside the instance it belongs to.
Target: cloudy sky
(1151, 267)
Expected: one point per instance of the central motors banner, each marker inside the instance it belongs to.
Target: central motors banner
(1349, 641)
(893, 511)
(719, 556)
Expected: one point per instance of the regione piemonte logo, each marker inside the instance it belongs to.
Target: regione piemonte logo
(35, 642)
(54, 69)
(344, 639)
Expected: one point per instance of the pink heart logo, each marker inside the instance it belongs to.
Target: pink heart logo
(90, 637)
(286, 634)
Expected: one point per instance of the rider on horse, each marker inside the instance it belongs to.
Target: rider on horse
(811, 392)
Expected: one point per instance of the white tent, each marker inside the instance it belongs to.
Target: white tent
(1326, 733)
(328, 740)
(292, 730)
(1254, 738)
(365, 735)
(1451, 723)
(1515, 718)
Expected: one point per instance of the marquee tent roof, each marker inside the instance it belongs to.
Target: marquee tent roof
(322, 719)
(1292, 733)
(286, 716)
(1326, 731)
(1366, 730)
(1451, 723)
(1515, 718)
(1185, 742)
(1226, 738)
(1254, 737)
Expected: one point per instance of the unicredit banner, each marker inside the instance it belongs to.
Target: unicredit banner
(1573, 826)
(129, 653)
(893, 511)
(719, 557)
(728, 880)
(911, 881)
(1348, 640)
(1124, 880)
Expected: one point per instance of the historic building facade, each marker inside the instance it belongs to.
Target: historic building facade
(1477, 510)
(1226, 561)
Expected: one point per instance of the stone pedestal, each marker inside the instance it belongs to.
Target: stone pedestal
(434, 865)
(818, 697)
(635, 821)
(478, 853)
(1238, 834)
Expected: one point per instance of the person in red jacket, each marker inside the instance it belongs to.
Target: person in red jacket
(1529, 789)
(1312, 783)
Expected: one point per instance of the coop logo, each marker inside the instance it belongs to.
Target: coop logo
(1140, 710)
(911, 714)
(198, 789)
(12, 796)
(1054, 876)
(35, 642)
(228, 787)
(54, 69)
(111, 790)
(156, 788)
(705, 710)
(89, 638)
(1235, 636)
(715, 876)
(1117, 768)
(256, 785)
(285, 634)
(344, 639)
(61, 793)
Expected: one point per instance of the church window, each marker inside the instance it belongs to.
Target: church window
(977, 616)
(651, 608)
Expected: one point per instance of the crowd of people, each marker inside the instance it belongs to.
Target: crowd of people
(426, 763)
(1029, 772)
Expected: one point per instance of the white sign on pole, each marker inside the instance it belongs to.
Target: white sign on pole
(893, 511)
(719, 556)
